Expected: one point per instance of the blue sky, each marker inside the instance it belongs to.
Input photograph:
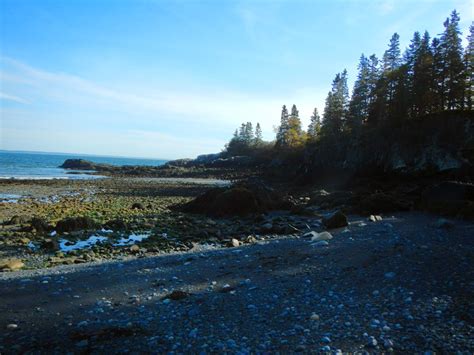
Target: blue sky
(172, 79)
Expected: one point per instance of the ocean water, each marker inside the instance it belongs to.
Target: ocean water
(26, 165)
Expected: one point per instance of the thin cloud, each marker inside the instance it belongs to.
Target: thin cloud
(220, 107)
(7, 97)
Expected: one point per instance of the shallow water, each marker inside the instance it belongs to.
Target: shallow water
(66, 246)
(39, 166)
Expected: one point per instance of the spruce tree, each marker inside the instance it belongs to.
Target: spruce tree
(359, 103)
(258, 134)
(336, 108)
(283, 128)
(294, 135)
(438, 73)
(421, 94)
(469, 69)
(314, 125)
(453, 66)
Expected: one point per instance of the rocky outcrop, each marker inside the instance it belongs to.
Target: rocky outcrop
(71, 224)
(432, 145)
(241, 199)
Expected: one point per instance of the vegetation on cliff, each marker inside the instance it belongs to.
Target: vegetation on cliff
(432, 79)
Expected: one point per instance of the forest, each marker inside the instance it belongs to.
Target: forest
(432, 76)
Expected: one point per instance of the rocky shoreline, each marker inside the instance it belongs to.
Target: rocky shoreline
(280, 268)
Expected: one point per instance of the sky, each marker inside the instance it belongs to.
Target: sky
(174, 79)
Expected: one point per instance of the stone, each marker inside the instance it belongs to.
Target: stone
(336, 220)
(176, 295)
(234, 243)
(134, 248)
(390, 275)
(50, 244)
(314, 316)
(371, 342)
(12, 326)
(321, 236)
(267, 227)
(11, 264)
(375, 218)
(137, 206)
(71, 224)
(388, 343)
(40, 225)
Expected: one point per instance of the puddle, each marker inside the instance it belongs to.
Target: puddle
(9, 198)
(131, 239)
(66, 245)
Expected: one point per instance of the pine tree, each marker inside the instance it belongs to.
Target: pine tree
(258, 134)
(469, 69)
(283, 129)
(453, 66)
(314, 127)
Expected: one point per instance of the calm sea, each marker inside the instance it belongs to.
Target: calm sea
(26, 165)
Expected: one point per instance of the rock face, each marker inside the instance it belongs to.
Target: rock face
(242, 199)
(71, 224)
(439, 143)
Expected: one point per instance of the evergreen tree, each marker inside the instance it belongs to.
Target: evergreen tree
(409, 59)
(391, 63)
(422, 78)
(258, 134)
(335, 110)
(453, 66)
(391, 57)
(359, 103)
(438, 73)
(283, 129)
(469, 69)
(248, 133)
(315, 125)
(295, 134)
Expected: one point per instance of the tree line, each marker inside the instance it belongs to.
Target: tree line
(432, 75)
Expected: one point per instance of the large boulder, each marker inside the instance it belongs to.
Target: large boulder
(241, 199)
(71, 224)
(450, 198)
(381, 202)
(336, 220)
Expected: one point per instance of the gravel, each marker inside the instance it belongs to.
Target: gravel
(279, 295)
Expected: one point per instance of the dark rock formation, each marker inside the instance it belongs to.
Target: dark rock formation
(242, 199)
(71, 224)
(336, 220)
